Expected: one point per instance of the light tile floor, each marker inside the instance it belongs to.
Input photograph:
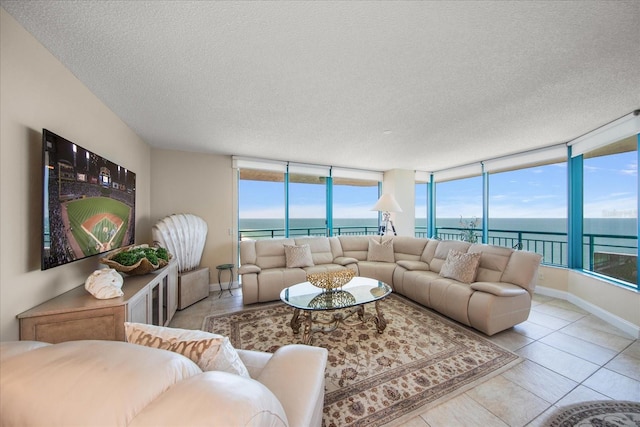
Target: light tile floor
(570, 356)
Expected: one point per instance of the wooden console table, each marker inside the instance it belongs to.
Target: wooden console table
(77, 315)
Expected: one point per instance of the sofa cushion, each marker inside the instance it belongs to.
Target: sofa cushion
(408, 248)
(442, 251)
(99, 383)
(493, 261)
(270, 252)
(214, 399)
(14, 348)
(298, 256)
(461, 266)
(522, 270)
(354, 246)
(345, 260)
(380, 251)
(413, 265)
(211, 352)
(498, 289)
(320, 249)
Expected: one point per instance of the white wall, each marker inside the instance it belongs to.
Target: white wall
(615, 304)
(203, 185)
(37, 91)
(401, 183)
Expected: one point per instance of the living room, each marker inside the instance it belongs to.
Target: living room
(38, 91)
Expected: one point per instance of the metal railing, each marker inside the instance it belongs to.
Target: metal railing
(266, 233)
(553, 246)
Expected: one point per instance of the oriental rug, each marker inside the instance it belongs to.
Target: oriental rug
(420, 360)
(614, 413)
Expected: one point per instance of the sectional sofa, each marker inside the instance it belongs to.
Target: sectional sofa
(486, 287)
(114, 383)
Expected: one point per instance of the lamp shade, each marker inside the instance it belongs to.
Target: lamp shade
(387, 203)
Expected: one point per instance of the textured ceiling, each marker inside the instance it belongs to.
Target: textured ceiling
(372, 85)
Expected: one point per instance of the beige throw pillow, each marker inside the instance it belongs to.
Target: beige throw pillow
(461, 266)
(380, 251)
(211, 352)
(298, 256)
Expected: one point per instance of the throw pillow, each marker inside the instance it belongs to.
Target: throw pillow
(298, 256)
(380, 251)
(211, 352)
(461, 266)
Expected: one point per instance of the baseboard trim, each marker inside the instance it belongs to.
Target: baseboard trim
(620, 323)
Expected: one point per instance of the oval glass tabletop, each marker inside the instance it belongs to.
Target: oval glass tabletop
(360, 290)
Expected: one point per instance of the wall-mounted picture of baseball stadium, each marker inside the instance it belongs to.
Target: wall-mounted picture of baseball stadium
(89, 203)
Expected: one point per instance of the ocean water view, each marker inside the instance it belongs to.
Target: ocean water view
(597, 226)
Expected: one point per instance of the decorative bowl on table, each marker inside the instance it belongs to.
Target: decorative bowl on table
(137, 259)
(332, 298)
(331, 279)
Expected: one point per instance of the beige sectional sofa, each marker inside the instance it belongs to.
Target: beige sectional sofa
(497, 297)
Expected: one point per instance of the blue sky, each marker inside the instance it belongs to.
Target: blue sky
(610, 182)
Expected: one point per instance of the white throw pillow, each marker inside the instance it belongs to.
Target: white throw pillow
(298, 256)
(461, 266)
(380, 251)
(211, 352)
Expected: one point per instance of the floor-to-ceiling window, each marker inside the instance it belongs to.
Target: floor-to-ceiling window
(278, 199)
(307, 197)
(352, 202)
(527, 203)
(459, 204)
(421, 204)
(610, 210)
(261, 207)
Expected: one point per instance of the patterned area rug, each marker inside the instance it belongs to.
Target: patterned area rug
(374, 379)
(604, 413)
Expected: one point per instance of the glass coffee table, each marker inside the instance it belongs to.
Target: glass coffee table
(324, 310)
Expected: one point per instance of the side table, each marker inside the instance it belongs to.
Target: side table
(221, 268)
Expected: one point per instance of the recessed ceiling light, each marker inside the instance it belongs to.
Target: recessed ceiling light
(387, 132)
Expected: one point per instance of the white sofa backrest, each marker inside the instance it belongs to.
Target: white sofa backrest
(429, 250)
(408, 248)
(442, 250)
(270, 252)
(321, 249)
(493, 261)
(356, 246)
(522, 270)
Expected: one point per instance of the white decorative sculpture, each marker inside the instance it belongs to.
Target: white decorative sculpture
(104, 284)
(183, 235)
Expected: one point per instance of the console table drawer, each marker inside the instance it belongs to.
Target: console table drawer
(98, 324)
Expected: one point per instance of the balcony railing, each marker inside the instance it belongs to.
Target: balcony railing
(552, 246)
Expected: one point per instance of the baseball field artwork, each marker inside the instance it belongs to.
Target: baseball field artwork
(89, 203)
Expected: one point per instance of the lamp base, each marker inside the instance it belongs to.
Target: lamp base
(387, 228)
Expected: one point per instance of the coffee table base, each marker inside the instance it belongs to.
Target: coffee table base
(338, 317)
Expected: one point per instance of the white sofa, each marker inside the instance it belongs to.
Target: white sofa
(498, 297)
(111, 383)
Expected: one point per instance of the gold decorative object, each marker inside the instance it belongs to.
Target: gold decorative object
(333, 299)
(331, 279)
(143, 266)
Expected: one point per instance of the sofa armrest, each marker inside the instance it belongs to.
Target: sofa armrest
(295, 374)
(248, 269)
(413, 265)
(254, 361)
(345, 260)
(499, 289)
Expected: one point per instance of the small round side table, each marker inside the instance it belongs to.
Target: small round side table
(221, 268)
